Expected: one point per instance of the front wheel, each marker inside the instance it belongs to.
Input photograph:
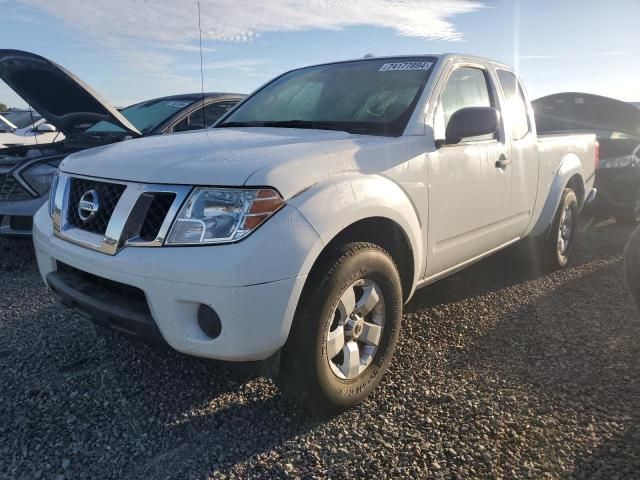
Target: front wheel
(345, 331)
(556, 245)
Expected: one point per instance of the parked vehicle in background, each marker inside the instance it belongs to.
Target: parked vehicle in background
(30, 129)
(317, 207)
(86, 120)
(617, 127)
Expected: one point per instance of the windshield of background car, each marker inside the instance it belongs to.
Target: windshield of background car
(21, 119)
(375, 97)
(144, 116)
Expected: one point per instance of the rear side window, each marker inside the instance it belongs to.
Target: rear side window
(516, 104)
(466, 87)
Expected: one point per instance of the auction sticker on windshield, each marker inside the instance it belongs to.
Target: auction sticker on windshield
(387, 67)
(178, 104)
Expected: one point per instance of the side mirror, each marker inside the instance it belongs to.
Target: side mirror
(46, 128)
(472, 122)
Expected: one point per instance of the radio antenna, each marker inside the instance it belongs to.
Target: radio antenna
(201, 66)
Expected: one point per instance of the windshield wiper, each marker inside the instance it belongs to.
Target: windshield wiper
(308, 124)
(305, 124)
(240, 124)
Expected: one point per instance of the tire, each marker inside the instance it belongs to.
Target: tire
(557, 244)
(630, 215)
(311, 371)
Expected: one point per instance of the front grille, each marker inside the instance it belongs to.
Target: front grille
(156, 213)
(10, 189)
(108, 195)
(145, 210)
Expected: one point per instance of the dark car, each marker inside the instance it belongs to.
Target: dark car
(617, 126)
(86, 120)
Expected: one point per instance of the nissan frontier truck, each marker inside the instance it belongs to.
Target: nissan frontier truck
(294, 231)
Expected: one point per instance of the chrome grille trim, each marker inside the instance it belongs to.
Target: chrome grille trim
(126, 220)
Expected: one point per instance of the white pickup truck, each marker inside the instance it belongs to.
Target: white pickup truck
(294, 230)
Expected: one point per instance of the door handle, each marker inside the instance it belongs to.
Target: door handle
(503, 161)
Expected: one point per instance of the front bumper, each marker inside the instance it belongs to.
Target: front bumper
(254, 285)
(104, 306)
(15, 215)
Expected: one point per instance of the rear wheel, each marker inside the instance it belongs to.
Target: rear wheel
(556, 246)
(345, 331)
(631, 214)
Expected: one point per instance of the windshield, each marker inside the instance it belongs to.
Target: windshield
(21, 119)
(374, 97)
(144, 116)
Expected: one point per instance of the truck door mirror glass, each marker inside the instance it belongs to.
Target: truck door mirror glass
(472, 122)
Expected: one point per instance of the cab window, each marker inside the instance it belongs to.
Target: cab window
(516, 105)
(466, 87)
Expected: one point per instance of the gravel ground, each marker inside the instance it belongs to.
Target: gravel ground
(500, 373)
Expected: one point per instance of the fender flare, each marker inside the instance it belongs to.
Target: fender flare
(342, 200)
(570, 165)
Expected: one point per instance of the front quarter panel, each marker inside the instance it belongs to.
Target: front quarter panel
(345, 199)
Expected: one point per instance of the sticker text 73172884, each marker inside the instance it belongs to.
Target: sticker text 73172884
(394, 67)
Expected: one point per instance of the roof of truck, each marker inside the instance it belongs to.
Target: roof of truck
(439, 56)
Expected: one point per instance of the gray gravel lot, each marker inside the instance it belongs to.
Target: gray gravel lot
(500, 373)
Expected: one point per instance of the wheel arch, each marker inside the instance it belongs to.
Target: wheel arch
(365, 209)
(380, 231)
(569, 175)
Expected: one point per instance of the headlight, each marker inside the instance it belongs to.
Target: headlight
(220, 215)
(39, 176)
(620, 162)
(613, 163)
(625, 161)
(52, 192)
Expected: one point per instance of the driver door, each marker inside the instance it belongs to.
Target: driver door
(468, 187)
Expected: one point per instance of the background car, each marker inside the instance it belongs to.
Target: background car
(29, 128)
(86, 120)
(617, 127)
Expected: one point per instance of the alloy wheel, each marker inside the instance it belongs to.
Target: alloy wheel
(356, 329)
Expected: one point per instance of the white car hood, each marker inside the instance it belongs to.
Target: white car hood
(12, 139)
(19, 137)
(222, 156)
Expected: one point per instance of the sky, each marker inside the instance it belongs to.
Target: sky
(133, 50)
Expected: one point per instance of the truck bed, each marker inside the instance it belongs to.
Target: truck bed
(556, 150)
(553, 148)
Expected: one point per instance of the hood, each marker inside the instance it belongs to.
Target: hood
(220, 156)
(585, 112)
(57, 94)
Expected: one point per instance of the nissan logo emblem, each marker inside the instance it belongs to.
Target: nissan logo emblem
(88, 205)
